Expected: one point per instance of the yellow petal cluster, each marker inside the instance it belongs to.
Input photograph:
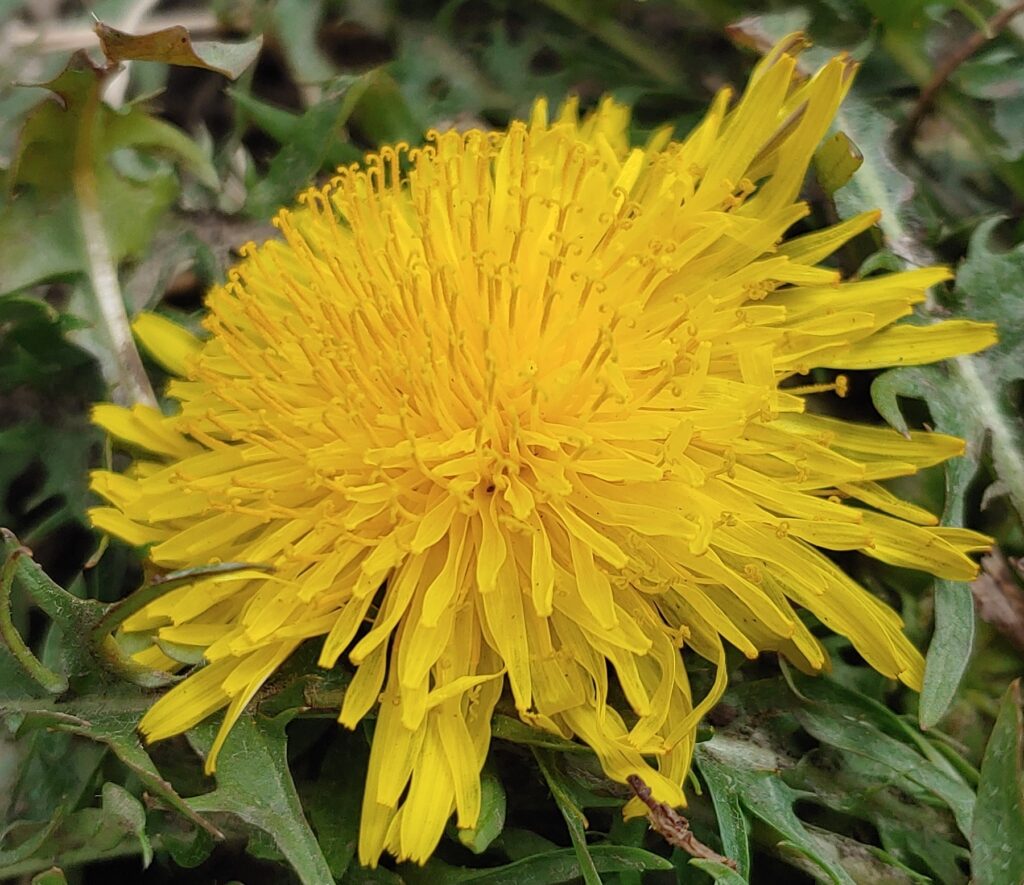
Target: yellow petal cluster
(515, 409)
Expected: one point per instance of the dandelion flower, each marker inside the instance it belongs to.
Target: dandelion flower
(509, 409)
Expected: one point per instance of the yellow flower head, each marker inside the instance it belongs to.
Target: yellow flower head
(510, 409)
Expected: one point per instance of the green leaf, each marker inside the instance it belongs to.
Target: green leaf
(762, 793)
(997, 841)
(124, 806)
(971, 397)
(40, 230)
(86, 835)
(755, 755)
(879, 183)
(111, 719)
(506, 728)
(902, 15)
(492, 814)
(733, 826)
(866, 728)
(52, 876)
(949, 652)
(47, 679)
(47, 441)
(903, 762)
(29, 846)
(384, 116)
(296, 23)
(174, 46)
(518, 844)
(333, 799)
(254, 784)
(312, 143)
(539, 869)
(719, 871)
(573, 814)
(997, 76)
(75, 617)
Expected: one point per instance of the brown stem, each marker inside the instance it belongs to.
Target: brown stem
(966, 49)
(672, 826)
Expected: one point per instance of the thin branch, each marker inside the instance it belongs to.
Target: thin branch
(994, 26)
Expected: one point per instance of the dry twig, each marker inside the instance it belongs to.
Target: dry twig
(672, 826)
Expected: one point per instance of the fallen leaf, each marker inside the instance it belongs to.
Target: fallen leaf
(174, 46)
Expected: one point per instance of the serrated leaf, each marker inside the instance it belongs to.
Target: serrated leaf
(763, 794)
(174, 46)
(756, 752)
(254, 784)
(997, 841)
(971, 397)
(851, 706)
(110, 719)
(40, 236)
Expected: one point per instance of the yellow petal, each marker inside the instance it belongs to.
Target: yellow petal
(172, 346)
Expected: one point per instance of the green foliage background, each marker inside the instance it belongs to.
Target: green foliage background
(845, 779)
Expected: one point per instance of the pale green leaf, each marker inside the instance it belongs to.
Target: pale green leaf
(997, 842)
(254, 784)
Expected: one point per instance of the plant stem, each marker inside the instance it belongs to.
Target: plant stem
(951, 62)
(960, 114)
(131, 384)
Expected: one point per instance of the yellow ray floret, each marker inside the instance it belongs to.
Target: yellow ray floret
(507, 411)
